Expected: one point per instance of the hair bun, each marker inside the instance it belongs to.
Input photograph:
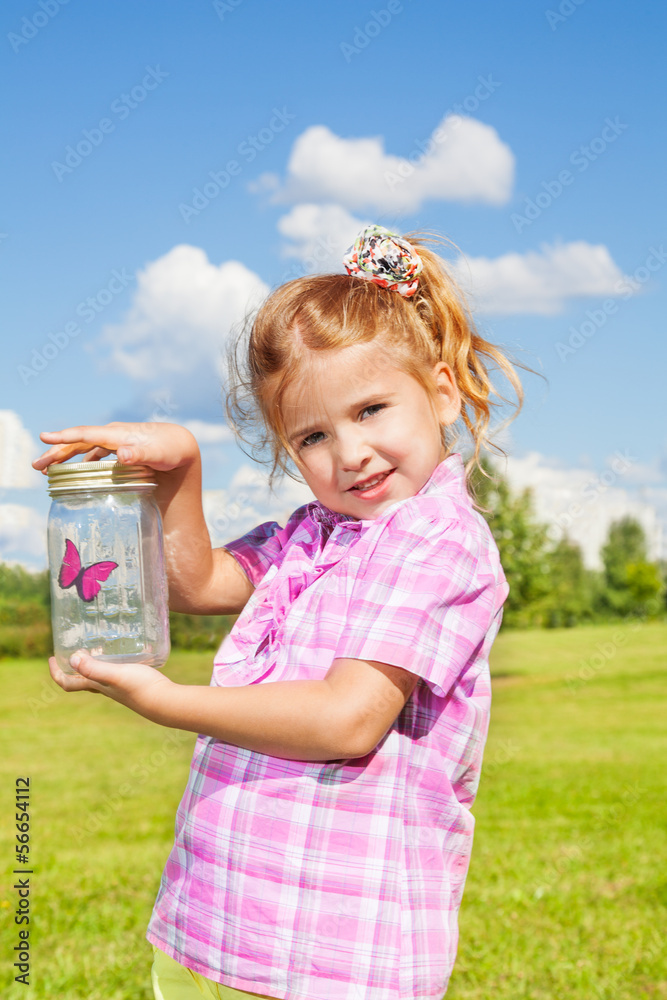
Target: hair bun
(386, 259)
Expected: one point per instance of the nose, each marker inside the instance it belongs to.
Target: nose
(354, 451)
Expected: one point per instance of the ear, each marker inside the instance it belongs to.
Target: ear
(448, 403)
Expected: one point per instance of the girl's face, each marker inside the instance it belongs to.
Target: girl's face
(357, 418)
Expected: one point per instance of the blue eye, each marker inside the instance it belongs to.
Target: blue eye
(304, 443)
(308, 442)
(375, 406)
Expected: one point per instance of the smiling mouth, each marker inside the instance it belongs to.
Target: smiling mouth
(370, 483)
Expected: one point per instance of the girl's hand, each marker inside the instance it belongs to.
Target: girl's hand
(135, 685)
(172, 451)
(160, 446)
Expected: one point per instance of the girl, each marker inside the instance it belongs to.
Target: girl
(323, 840)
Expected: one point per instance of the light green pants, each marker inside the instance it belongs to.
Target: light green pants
(172, 981)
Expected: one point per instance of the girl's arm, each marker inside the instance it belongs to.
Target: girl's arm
(202, 580)
(343, 715)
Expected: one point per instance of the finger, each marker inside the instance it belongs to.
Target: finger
(73, 440)
(89, 434)
(70, 682)
(96, 454)
(59, 453)
(82, 439)
(134, 444)
(96, 672)
(67, 435)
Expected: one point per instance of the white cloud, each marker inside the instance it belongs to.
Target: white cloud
(248, 502)
(22, 535)
(320, 235)
(538, 282)
(463, 160)
(583, 502)
(181, 313)
(207, 433)
(18, 449)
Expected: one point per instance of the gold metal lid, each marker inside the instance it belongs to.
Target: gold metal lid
(84, 477)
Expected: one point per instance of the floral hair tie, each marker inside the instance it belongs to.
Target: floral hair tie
(384, 258)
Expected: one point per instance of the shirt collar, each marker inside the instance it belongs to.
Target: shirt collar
(447, 477)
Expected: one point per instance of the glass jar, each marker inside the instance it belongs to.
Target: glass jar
(108, 582)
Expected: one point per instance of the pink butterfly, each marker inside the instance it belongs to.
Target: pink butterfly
(88, 580)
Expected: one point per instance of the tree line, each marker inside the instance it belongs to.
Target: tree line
(550, 587)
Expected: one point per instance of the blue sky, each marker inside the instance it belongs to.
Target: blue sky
(275, 100)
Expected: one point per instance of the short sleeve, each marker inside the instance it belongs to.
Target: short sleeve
(257, 550)
(424, 598)
(260, 548)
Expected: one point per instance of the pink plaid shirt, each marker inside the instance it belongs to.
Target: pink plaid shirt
(342, 879)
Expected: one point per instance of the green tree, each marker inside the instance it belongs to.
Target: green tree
(199, 631)
(570, 597)
(646, 587)
(522, 542)
(662, 566)
(633, 585)
(25, 617)
(17, 584)
(626, 543)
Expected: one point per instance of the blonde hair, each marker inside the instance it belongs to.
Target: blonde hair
(332, 311)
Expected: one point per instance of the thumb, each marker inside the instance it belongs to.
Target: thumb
(88, 666)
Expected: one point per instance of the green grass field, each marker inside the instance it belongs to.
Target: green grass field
(567, 891)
